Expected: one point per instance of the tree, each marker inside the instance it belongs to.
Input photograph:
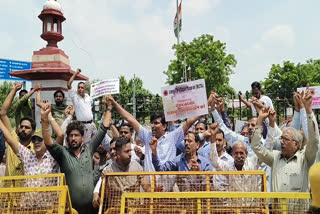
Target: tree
(146, 102)
(207, 60)
(5, 89)
(283, 79)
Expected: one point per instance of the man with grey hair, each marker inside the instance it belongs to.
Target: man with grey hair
(241, 163)
(290, 166)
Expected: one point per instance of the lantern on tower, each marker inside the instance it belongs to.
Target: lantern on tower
(50, 65)
(52, 18)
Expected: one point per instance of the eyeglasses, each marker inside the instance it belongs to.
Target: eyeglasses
(36, 139)
(286, 140)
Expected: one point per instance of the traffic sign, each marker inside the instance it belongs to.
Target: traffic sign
(7, 65)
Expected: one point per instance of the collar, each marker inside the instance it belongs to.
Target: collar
(83, 147)
(183, 157)
(290, 159)
(119, 167)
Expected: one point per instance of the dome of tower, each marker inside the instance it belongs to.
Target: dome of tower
(52, 4)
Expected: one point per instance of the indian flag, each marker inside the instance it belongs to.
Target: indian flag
(175, 23)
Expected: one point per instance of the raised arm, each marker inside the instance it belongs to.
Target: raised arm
(10, 140)
(124, 114)
(31, 92)
(229, 135)
(313, 146)
(187, 124)
(56, 129)
(263, 154)
(69, 84)
(244, 101)
(46, 133)
(214, 158)
(38, 98)
(7, 103)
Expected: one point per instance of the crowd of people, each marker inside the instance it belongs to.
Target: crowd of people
(69, 142)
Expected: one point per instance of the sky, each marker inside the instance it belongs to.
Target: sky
(109, 38)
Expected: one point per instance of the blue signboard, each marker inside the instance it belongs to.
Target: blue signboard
(7, 65)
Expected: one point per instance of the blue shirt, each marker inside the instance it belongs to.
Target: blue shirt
(204, 150)
(180, 164)
(166, 147)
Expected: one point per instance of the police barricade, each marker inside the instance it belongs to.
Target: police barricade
(115, 184)
(197, 202)
(35, 194)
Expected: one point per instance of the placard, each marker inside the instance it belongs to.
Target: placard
(315, 92)
(184, 100)
(105, 87)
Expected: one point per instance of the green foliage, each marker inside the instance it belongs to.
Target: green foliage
(88, 84)
(207, 60)
(288, 77)
(5, 89)
(146, 102)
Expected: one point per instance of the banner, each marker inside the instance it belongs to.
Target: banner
(315, 92)
(105, 87)
(184, 100)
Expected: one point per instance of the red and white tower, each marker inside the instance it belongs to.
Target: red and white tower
(50, 65)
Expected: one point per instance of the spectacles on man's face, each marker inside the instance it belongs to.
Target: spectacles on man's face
(286, 140)
(36, 139)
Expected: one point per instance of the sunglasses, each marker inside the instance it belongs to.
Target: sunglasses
(36, 139)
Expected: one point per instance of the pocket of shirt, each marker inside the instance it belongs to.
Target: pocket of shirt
(295, 182)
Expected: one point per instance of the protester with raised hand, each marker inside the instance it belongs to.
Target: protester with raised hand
(168, 140)
(82, 106)
(290, 166)
(23, 133)
(76, 161)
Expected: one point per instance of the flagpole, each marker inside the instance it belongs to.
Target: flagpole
(178, 42)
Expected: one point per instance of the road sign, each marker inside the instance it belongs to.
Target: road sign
(7, 65)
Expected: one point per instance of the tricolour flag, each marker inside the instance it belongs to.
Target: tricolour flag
(175, 22)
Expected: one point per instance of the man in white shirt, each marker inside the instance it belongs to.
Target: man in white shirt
(290, 166)
(241, 163)
(82, 107)
(258, 94)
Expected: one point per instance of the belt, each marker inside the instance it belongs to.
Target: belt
(90, 121)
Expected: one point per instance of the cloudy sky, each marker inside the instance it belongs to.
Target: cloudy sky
(109, 38)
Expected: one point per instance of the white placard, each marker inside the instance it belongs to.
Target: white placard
(184, 100)
(315, 92)
(104, 87)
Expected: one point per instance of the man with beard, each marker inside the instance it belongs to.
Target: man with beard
(57, 110)
(76, 161)
(123, 163)
(25, 129)
(34, 163)
(126, 131)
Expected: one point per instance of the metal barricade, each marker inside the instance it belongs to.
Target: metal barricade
(210, 202)
(115, 184)
(35, 194)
